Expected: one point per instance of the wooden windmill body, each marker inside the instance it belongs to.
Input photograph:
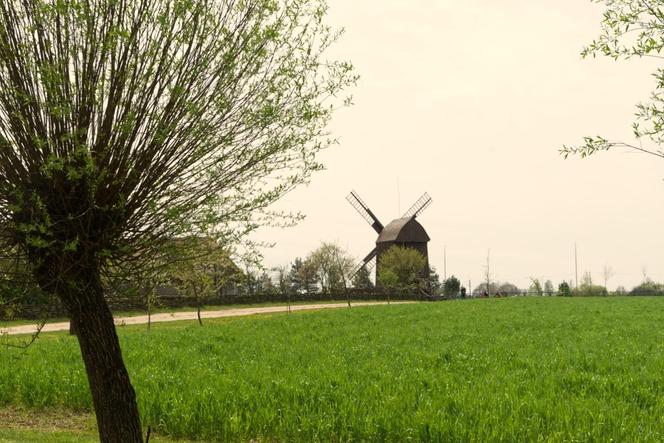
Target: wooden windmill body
(405, 231)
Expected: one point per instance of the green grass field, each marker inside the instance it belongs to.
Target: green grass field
(559, 369)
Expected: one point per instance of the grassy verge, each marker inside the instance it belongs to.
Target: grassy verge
(47, 425)
(51, 425)
(526, 369)
(30, 436)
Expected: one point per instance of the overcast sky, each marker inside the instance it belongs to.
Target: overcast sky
(470, 101)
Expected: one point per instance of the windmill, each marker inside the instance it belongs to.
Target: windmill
(404, 231)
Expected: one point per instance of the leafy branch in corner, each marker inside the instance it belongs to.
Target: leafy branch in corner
(631, 29)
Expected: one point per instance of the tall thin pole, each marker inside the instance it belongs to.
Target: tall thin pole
(576, 268)
(488, 271)
(445, 262)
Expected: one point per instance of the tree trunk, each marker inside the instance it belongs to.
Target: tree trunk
(198, 305)
(114, 399)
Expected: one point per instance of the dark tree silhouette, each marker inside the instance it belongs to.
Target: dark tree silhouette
(127, 123)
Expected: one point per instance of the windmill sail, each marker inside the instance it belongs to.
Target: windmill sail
(420, 205)
(368, 262)
(364, 211)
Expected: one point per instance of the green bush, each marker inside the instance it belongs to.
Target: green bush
(564, 289)
(401, 268)
(648, 288)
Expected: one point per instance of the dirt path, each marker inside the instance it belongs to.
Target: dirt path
(177, 316)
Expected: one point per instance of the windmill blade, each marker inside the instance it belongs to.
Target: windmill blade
(370, 256)
(368, 262)
(356, 202)
(420, 205)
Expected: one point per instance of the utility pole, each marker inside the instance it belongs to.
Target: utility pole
(470, 289)
(576, 268)
(444, 263)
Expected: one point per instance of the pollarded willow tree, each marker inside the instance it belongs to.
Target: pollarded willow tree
(631, 29)
(127, 123)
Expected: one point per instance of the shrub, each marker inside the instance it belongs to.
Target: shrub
(564, 290)
(648, 288)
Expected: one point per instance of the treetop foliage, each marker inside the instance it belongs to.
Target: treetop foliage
(400, 267)
(332, 265)
(125, 123)
(451, 286)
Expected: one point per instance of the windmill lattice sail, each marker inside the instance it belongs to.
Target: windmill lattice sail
(357, 203)
(420, 205)
(369, 262)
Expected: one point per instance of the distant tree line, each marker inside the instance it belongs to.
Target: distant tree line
(586, 288)
(329, 271)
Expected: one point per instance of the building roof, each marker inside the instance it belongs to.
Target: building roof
(403, 230)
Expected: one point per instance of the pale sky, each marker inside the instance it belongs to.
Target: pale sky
(470, 101)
